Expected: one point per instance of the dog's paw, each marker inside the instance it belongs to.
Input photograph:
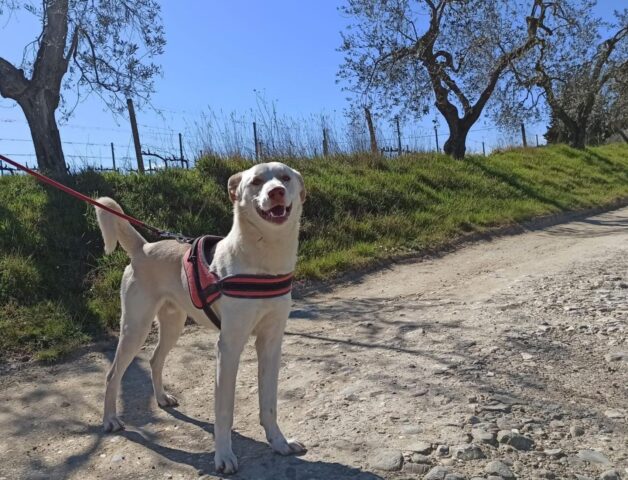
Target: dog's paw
(113, 424)
(167, 400)
(288, 447)
(226, 462)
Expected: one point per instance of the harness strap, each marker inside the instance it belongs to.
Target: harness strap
(206, 287)
(206, 306)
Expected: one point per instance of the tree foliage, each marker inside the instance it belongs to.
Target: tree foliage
(577, 77)
(407, 54)
(85, 46)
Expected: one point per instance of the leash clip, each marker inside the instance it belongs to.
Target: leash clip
(179, 237)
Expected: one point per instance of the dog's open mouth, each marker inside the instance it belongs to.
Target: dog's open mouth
(277, 214)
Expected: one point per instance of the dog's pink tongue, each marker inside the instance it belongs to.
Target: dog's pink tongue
(278, 211)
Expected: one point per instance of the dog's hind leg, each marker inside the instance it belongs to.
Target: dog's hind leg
(171, 321)
(138, 311)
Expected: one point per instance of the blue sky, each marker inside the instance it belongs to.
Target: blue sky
(218, 54)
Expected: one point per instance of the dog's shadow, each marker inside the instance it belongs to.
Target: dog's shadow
(255, 459)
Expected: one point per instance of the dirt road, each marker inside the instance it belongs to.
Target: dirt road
(505, 359)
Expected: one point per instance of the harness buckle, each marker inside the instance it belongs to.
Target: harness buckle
(213, 288)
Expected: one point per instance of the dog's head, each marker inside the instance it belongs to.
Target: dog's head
(269, 194)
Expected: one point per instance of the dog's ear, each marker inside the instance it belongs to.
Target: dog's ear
(232, 186)
(302, 183)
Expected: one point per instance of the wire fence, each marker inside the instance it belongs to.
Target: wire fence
(253, 137)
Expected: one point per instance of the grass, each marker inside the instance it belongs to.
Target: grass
(58, 291)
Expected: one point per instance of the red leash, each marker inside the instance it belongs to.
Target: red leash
(42, 178)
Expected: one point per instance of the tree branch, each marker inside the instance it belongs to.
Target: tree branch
(13, 83)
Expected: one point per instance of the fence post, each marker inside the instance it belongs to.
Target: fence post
(183, 164)
(255, 141)
(523, 135)
(136, 136)
(398, 136)
(537, 139)
(436, 134)
(113, 158)
(371, 128)
(325, 143)
(483, 149)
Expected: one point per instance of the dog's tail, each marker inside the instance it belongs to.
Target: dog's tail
(115, 229)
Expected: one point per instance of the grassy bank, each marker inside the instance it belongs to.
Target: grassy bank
(58, 291)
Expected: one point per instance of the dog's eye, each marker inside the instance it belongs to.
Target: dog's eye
(285, 178)
(256, 181)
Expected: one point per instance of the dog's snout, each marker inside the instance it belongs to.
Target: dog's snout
(277, 193)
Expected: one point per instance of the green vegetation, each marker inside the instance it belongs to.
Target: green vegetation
(58, 291)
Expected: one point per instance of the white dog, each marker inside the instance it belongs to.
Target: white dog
(267, 202)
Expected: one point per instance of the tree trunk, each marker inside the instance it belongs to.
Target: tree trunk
(39, 109)
(456, 143)
(578, 137)
(369, 124)
(39, 96)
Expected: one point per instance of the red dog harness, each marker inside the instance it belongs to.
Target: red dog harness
(206, 287)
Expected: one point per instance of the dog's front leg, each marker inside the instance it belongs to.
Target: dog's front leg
(228, 348)
(268, 346)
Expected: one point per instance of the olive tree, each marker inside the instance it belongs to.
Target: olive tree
(576, 77)
(84, 46)
(579, 88)
(410, 53)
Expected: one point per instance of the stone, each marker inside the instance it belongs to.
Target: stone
(515, 440)
(387, 460)
(497, 407)
(616, 357)
(411, 429)
(546, 474)
(593, 456)
(442, 450)
(554, 452)
(468, 452)
(418, 458)
(582, 477)
(576, 431)
(575, 462)
(610, 475)
(499, 468)
(419, 468)
(615, 414)
(437, 473)
(473, 420)
(482, 436)
(505, 423)
(423, 448)
(556, 424)
(455, 476)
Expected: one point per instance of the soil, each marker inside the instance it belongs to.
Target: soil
(507, 358)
